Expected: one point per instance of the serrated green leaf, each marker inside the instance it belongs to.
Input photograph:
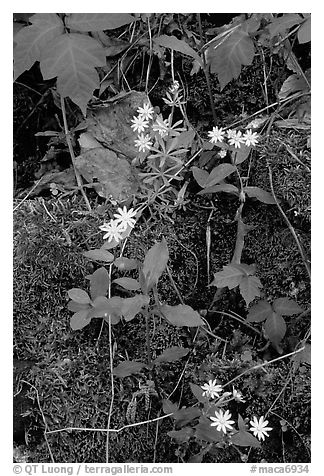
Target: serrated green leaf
(200, 175)
(304, 32)
(127, 368)
(229, 277)
(177, 45)
(169, 407)
(80, 319)
(98, 21)
(223, 187)
(78, 295)
(155, 262)
(286, 307)
(250, 288)
(219, 173)
(275, 328)
(99, 282)
(262, 195)
(72, 57)
(127, 283)
(227, 57)
(172, 354)
(31, 40)
(99, 255)
(132, 306)
(259, 312)
(181, 315)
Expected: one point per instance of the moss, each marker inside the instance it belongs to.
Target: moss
(72, 368)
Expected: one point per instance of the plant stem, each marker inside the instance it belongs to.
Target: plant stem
(206, 71)
(68, 140)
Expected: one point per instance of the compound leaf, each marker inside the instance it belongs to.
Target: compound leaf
(249, 288)
(259, 312)
(275, 328)
(226, 58)
(286, 307)
(31, 40)
(98, 21)
(181, 315)
(72, 57)
(230, 276)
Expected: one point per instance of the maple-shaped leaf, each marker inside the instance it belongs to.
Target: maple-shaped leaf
(250, 288)
(227, 57)
(98, 21)
(259, 312)
(72, 57)
(31, 40)
(230, 276)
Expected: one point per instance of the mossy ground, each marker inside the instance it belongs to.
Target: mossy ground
(71, 371)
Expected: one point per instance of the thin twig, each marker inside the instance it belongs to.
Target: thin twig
(25, 198)
(109, 430)
(68, 140)
(43, 417)
(259, 366)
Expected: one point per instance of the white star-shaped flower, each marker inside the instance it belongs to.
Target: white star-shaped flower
(146, 112)
(222, 153)
(216, 135)
(222, 421)
(230, 133)
(125, 218)
(113, 230)
(139, 124)
(236, 139)
(212, 390)
(143, 142)
(259, 428)
(251, 138)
